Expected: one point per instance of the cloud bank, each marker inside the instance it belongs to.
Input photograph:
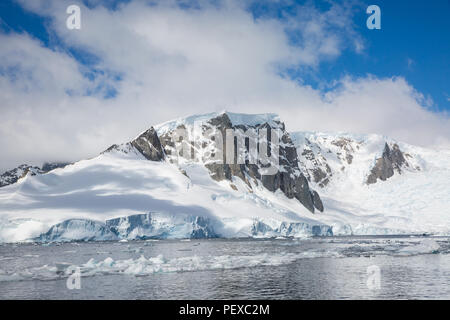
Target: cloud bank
(137, 64)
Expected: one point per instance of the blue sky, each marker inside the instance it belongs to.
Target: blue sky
(136, 63)
(414, 42)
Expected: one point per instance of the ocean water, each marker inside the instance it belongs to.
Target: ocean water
(319, 268)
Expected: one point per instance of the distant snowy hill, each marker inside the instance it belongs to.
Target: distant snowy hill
(326, 184)
(12, 176)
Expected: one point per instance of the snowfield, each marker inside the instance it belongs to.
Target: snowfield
(122, 195)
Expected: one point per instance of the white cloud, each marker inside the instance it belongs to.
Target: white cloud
(176, 62)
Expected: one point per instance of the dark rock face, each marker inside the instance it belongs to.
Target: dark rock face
(317, 150)
(392, 159)
(289, 179)
(12, 176)
(317, 201)
(319, 171)
(149, 145)
(49, 166)
(221, 122)
(346, 146)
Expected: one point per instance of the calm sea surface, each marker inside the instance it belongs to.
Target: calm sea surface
(319, 268)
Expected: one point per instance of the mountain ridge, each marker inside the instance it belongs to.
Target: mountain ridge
(332, 195)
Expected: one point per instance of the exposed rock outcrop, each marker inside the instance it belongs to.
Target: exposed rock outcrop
(317, 201)
(49, 166)
(318, 170)
(12, 176)
(149, 145)
(288, 178)
(392, 160)
(330, 159)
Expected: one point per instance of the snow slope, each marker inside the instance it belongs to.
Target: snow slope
(116, 184)
(12, 176)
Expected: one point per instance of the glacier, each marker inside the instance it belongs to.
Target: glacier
(161, 226)
(78, 230)
(134, 227)
(164, 226)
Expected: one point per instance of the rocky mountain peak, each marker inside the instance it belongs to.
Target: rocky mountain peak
(221, 122)
(14, 175)
(243, 130)
(149, 145)
(328, 159)
(391, 160)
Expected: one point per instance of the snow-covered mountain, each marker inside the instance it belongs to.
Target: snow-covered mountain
(12, 176)
(375, 184)
(164, 185)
